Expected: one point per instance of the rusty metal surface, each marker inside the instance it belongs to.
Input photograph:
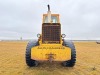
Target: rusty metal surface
(51, 33)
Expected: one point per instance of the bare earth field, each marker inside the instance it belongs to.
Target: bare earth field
(12, 61)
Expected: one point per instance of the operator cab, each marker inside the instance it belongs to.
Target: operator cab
(50, 18)
(54, 18)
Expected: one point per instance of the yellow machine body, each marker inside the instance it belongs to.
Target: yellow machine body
(50, 41)
(54, 52)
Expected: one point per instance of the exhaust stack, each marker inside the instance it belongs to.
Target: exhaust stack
(49, 14)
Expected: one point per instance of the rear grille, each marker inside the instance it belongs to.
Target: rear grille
(51, 33)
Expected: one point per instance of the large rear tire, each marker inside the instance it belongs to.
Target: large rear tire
(72, 61)
(29, 61)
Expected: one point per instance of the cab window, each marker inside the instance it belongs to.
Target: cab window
(53, 19)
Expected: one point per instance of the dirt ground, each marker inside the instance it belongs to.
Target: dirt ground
(12, 61)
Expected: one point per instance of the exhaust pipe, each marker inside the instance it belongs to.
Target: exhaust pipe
(49, 14)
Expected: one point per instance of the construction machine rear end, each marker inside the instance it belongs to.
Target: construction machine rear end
(51, 45)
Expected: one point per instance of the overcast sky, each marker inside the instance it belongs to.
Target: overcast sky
(80, 19)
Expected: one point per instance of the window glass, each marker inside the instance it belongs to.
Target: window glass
(46, 19)
(53, 19)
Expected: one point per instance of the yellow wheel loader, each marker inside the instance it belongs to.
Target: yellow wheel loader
(51, 45)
